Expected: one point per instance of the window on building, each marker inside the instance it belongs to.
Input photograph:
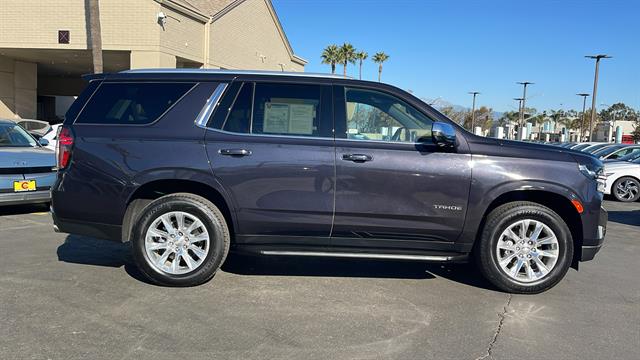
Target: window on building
(372, 115)
(131, 103)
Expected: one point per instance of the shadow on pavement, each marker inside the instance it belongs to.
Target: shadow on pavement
(89, 251)
(23, 209)
(625, 217)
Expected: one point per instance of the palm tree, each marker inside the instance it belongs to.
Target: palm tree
(361, 56)
(330, 55)
(347, 55)
(379, 58)
(95, 37)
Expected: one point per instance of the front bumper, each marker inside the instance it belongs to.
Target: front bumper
(593, 245)
(19, 198)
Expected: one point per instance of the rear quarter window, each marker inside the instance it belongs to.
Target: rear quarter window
(131, 103)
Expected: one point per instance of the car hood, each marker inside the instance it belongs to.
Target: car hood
(620, 165)
(19, 157)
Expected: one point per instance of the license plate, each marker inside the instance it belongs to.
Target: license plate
(24, 185)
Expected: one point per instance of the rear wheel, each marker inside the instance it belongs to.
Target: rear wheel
(626, 189)
(524, 248)
(180, 240)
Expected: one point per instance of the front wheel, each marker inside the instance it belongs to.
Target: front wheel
(180, 240)
(524, 248)
(626, 189)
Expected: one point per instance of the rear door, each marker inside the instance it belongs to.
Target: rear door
(395, 188)
(271, 147)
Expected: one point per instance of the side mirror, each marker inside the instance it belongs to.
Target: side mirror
(443, 134)
(43, 142)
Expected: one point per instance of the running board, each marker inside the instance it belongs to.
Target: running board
(360, 255)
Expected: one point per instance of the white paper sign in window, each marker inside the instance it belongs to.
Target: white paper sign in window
(283, 118)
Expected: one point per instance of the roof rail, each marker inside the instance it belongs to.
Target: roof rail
(231, 72)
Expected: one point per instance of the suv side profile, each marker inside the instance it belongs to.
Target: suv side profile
(188, 164)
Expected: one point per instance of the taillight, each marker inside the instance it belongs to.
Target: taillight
(63, 149)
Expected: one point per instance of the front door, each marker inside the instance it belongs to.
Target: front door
(394, 187)
(272, 149)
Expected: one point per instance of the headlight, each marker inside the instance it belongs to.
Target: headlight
(596, 174)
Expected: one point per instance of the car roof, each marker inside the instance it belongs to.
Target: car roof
(7, 121)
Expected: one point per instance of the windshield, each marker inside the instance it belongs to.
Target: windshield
(12, 135)
(631, 157)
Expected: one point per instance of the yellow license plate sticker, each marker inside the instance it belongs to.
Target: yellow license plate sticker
(24, 185)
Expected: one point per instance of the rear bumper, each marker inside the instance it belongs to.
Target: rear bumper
(591, 246)
(32, 197)
(95, 230)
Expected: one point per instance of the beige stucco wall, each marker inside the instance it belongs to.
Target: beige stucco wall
(183, 36)
(35, 24)
(247, 38)
(18, 88)
(129, 24)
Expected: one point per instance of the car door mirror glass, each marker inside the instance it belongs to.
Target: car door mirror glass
(443, 134)
(43, 142)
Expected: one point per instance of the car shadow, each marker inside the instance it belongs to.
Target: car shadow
(23, 209)
(625, 217)
(89, 251)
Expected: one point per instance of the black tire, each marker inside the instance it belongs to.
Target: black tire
(203, 210)
(629, 194)
(497, 222)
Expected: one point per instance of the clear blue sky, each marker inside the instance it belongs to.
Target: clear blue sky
(448, 48)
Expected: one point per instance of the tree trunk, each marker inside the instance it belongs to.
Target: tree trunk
(344, 69)
(379, 72)
(94, 36)
(333, 68)
(360, 75)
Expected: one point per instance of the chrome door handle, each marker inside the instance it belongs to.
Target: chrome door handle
(357, 157)
(234, 152)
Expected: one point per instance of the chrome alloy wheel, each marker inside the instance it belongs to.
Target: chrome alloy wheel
(627, 190)
(527, 250)
(176, 243)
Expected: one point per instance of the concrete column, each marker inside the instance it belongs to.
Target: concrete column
(151, 59)
(26, 89)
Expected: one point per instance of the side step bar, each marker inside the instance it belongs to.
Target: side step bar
(360, 255)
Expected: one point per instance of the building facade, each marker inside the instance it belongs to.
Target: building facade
(45, 45)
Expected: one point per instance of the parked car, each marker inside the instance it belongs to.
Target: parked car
(616, 151)
(52, 137)
(623, 180)
(37, 128)
(590, 149)
(27, 168)
(188, 164)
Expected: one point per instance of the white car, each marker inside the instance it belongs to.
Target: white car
(52, 137)
(623, 180)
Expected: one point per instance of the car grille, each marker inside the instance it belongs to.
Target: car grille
(26, 170)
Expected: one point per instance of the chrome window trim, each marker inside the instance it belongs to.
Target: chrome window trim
(270, 135)
(212, 103)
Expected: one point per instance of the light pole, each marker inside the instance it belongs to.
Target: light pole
(473, 110)
(595, 91)
(584, 108)
(524, 99)
(520, 114)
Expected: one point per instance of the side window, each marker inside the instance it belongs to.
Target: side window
(372, 115)
(239, 117)
(131, 103)
(287, 109)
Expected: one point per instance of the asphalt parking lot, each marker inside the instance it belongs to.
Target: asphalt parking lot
(67, 297)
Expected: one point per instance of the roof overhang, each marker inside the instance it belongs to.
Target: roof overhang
(189, 11)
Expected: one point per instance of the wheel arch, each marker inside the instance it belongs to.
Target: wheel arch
(154, 189)
(555, 201)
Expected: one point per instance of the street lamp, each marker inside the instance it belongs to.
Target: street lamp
(595, 91)
(524, 99)
(584, 108)
(473, 110)
(520, 114)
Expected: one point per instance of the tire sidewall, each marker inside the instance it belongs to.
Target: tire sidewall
(213, 259)
(550, 219)
(617, 182)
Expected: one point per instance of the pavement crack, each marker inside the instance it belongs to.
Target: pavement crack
(494, 339)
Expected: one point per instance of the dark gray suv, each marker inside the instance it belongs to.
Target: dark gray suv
(190, 164)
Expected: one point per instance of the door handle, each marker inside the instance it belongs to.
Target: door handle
(357, 157)
(234, 152)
